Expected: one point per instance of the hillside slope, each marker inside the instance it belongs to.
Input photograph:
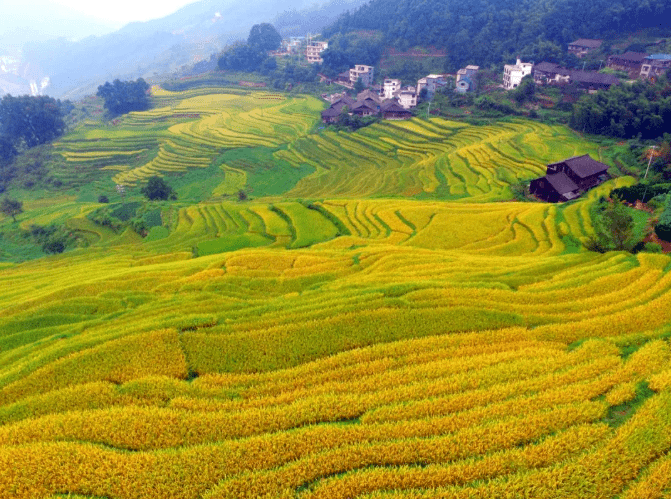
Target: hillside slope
(497, 31)
(389, 324)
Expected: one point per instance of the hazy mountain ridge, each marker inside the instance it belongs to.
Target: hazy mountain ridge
(145, 49)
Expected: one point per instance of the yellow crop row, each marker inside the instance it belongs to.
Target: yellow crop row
(463, 444)
(550, 450)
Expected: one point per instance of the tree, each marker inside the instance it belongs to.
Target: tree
(158, 189)
(7, 150)
(28, 121)
(358, 86)
(663, 227)
(526, 90)
(613, 228)
(125, 96)
(241, 57)
(11, 207)
(264, 36)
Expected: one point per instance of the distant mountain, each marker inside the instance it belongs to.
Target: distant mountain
(193, 33)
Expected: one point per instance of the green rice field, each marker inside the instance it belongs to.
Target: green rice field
(378, 319)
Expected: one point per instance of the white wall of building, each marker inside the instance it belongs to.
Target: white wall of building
(513, 73)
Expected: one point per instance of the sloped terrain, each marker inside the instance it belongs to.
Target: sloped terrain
(382, 329)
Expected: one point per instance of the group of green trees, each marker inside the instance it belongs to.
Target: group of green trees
(26, 122)
(253, 55)
(125, 96)
(348, 49)
(641, 109)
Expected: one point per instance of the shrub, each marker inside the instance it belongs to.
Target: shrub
(663, 227)
(652, 248)
(158, 189)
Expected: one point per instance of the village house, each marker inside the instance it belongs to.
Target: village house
(369, 94)
(568, 179)
(391, 110)
(313, 51)
(407, 98)
(591, 81)
(343, 79)
(330, 115)
(466, 81)
(513, 73)
(294, 43)
(431, 82)
(549, 72)
(391, 88)
(630, 62)
(655, 65)
(371, 103)
(366, 107)
(364, 73)
(583, 46)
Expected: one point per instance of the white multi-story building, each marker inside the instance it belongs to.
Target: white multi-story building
(314, 50)
(391, 88)
(407, 98)
(366, 73)
(513, 73)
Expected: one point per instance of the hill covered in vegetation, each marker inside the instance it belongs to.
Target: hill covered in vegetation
(497, 31)
(375, 317)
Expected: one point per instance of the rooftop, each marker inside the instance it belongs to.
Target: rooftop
(587, 42)
(330, 112)
(584, 166)
(660, 57)
(631, 56)
(592, 77)
(561, 182)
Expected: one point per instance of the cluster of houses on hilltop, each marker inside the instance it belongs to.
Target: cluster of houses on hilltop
(391, 99)
(367, 103)
(636, 64)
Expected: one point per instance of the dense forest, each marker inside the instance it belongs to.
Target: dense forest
(626, 111)
(487, 32)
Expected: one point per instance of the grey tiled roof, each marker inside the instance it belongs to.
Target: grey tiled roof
(561, 182)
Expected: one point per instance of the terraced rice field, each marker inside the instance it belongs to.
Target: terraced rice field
(434, 158)
(187, 130)
(371, 343)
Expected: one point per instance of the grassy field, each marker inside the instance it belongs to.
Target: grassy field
(377, 320)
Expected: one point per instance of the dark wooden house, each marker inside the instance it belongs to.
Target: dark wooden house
(630, 62)
(568, 179)
(549, 72)
(330, 115)
(591, 80)
(366, 107)
(583, 46)
(394, 111)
